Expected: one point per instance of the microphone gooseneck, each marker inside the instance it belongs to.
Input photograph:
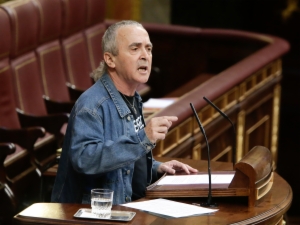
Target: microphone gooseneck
(232, 125)
(209, 202)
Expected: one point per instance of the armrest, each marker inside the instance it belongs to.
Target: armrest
(25, 137)
(73, 91)
(52, 122)
(57, 107)
(6, 148)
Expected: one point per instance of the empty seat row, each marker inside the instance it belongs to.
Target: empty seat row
(45, 54)
(46, 49)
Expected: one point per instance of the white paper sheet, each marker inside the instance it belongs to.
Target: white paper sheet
(158, 102)
(196, 179)
(169, 208)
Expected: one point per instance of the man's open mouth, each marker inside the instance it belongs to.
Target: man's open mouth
(142, 68)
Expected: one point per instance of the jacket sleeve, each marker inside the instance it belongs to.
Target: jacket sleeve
(155, 174)
(97, 145)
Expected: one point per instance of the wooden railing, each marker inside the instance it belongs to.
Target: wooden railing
(245, 83)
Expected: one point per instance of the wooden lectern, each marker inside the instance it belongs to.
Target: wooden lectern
(253, 178)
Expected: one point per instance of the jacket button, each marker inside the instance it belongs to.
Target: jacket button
(127, 199)
(128, 118)
(128, 172)
(148, 147)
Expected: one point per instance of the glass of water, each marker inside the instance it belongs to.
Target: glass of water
(101, 202)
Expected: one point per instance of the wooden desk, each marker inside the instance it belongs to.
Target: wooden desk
(232, 210)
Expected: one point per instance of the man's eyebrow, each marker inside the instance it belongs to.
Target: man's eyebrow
(139, 43)
(150, 45)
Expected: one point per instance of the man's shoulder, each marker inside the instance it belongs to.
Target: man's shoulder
(96, 89)
(92, 96)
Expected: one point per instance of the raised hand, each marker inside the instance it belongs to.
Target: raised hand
(157, 127)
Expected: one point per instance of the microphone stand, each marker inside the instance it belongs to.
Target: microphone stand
(209, 199)
(233, 128)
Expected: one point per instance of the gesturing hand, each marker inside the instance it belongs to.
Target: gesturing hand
(172, 166)
(157, 127)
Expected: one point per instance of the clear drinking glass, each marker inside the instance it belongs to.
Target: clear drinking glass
(101, 202)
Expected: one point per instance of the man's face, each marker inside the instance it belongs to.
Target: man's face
(133, 62)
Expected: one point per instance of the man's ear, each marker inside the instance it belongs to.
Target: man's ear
(109, 59)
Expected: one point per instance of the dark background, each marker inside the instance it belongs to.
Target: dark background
(276, 17)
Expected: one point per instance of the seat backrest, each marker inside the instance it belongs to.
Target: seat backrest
(75, 51)
(74, 16)
(8, 114)
(24, 24)
(94, 31)
(93, 37)
(76, 57)
(52, 71)
(27, 84)
(50, 20)
(5, 37)
(49, 52)
(95, 12)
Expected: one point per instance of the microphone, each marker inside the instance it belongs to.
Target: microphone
(233, 128)
(209, 202)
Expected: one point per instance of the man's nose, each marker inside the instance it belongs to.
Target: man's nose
(145, 54)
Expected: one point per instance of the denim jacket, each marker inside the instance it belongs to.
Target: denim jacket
(101, 147)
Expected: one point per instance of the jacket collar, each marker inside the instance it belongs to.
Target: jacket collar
(121, 106)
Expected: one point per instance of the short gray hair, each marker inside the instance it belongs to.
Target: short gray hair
(109, 44)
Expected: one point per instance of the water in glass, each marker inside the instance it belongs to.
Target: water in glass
(101, 202)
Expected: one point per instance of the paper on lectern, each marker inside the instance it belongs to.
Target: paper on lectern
(169, 208)
(196, 179)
